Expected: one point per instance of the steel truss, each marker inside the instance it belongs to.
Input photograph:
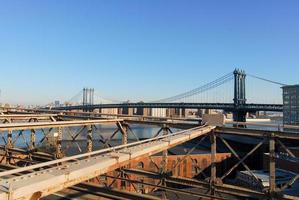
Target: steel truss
(212, 187)
(215, 186)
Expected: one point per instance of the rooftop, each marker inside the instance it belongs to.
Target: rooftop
(290, 86)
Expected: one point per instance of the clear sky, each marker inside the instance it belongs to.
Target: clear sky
(140, 49)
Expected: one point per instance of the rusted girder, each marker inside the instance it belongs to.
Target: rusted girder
(19, 118)
(175, 190)
(257, 133)
(96, 191)
(219, 188)
(39, 125)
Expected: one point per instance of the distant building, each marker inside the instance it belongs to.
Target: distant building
(56, 103)
(113, 111)
(291, 104)
(158, 112)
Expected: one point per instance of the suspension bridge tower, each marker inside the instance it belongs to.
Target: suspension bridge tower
(88, 97)
(239, 95)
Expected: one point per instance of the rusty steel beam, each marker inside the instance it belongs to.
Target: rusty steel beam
(23, 118)
(75, 169)
(256, 133)
(226, 189)
(175, 190)
(290, 183)
(94, 191)
(213, 177)
(35, 154)
(272, 167)
(238, 157)
(124, 132)
(289, 152)
(27, 116)
(278, 126)
(59, 153)
(179, 125)
(89, 138)
(243, 159)
(164, 163)
(61, 124)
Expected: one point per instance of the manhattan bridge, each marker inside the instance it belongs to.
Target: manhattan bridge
(231, 93)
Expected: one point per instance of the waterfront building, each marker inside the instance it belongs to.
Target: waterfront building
(291, 104)
(158, 112)
(113, 111)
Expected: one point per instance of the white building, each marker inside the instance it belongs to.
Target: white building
(159, 112)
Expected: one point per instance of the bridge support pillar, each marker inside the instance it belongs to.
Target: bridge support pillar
(9, 145)
(127, 111)
(182, 112)
(146, 112)
(88, 98)
(164, 163)
(124, 111)
(138, 111)
(119, 111)
(59, 153)
(213, 162)
(208, 111)
(239, 116)
(123, 127)
(32, 142)
(198, 112)
(89, 139)
(272, 167)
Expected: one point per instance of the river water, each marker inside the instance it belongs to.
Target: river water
(100, 132)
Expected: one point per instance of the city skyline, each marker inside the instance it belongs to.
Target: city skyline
(137, 50)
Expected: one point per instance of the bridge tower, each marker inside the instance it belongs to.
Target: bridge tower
(88, 96)
(239, 95)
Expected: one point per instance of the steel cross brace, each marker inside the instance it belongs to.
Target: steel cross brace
(178, 163)
(241, 161)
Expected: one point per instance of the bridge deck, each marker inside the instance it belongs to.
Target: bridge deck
(26, 116)
(76, 169)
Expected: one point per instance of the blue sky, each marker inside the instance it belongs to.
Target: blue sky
(140, 49)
